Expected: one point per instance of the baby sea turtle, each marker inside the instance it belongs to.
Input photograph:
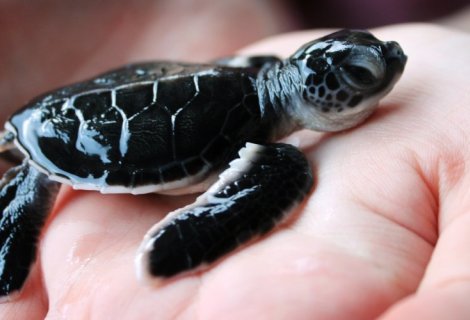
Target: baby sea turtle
(172, 127)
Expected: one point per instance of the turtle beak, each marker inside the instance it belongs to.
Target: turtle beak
(395, 56)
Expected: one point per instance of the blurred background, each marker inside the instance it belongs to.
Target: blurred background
(48, 43)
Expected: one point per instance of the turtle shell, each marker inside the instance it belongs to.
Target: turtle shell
(142, 128)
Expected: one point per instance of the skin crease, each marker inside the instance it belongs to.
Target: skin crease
(384, 234)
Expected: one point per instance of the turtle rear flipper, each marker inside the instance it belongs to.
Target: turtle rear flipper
(6, 141)
(26, 198)
(8, 151)
(248, 200)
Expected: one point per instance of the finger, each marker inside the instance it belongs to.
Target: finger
(444, 291)
(88, 252)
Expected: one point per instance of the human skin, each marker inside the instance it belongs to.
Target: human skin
(385, 232)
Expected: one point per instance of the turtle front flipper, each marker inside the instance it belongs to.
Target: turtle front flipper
(249, 199)
(26, 197)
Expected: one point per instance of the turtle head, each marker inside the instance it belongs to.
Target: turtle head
(344, 76)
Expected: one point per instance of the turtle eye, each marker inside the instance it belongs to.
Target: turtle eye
(363, 71)
(359, 76)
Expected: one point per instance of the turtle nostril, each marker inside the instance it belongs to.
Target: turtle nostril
(394, 51)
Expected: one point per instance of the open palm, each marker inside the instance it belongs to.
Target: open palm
(386, 228)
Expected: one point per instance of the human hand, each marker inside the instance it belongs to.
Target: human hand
(390, 195)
